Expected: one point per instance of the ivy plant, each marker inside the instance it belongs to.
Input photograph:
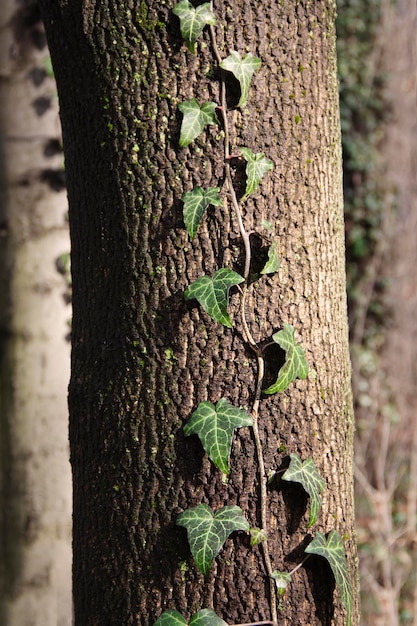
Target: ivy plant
(195, 203)
(214, 424)
(212, 293)
(207, 531)
(295, 365)
(205, 617)
(306, 473)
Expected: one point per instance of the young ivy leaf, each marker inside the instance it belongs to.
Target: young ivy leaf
(195, 203)
(193, 20)
(295, 365)
(257, 536)
(273, 263)
(212, 293)
(282, 580)
(207, 532)
(195, 118)
(215, 425)
(205, 617)
(333, 551)
(306, 473)
(256, 166)
(243, 70)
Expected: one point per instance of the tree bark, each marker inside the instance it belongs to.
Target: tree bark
(143, 358)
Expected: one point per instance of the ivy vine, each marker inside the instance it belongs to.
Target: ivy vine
(208, 530)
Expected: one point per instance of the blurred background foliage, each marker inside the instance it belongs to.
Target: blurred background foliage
(386, 432)
(363, 112)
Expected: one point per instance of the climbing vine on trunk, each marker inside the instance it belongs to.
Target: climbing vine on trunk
(208, 530)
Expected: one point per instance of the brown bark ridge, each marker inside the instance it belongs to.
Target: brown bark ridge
(143, 358)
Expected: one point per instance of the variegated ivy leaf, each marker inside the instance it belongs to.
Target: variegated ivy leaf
(193, 20)
(205, 617)
(306, 473)
(282, 580)
(207, 532)
(171, 618)
(195, 203)
(257, 536)
(333, 551)
(256, 166)
(215, 425)
(295, 365)
(243, 70)
(195, 119)
(273, 263)
(212, 293)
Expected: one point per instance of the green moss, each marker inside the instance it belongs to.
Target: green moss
(144, 21)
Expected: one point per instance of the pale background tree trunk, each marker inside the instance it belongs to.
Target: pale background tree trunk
(143, 358)
(35, 497)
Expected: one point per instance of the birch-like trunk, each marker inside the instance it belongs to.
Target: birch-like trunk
(35, 478)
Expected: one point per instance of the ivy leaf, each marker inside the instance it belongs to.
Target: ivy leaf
(193, 20)
(282, 580)
(273, 263)
(195, 118)
(257, 536)
(243, 70)
(256, 166)
(195, 203)
(171, 618)
(212, 293)
(205, 617)
(306, 473)
(295, 365)
(207, 532)
(333, 551)
(215, 425)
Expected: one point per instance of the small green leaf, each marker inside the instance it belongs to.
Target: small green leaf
(295, 365)
(273, 263)
(257, 536)
(195, 118)
(195, 203)
(207, 532)
(212, 293)
(206, 617)
(170, 618)
(243, 70)
(215, 425)
(193, 20)
(306, 473)
(256, 166)
(282, 580)
(266, 224)
(333, 551)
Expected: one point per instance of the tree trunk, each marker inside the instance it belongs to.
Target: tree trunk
(143, 357)
(35, 474)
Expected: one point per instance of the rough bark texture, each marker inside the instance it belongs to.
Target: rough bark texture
(35, 475)
(143, 358)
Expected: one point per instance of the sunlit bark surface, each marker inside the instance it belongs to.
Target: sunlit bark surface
(143, 358)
